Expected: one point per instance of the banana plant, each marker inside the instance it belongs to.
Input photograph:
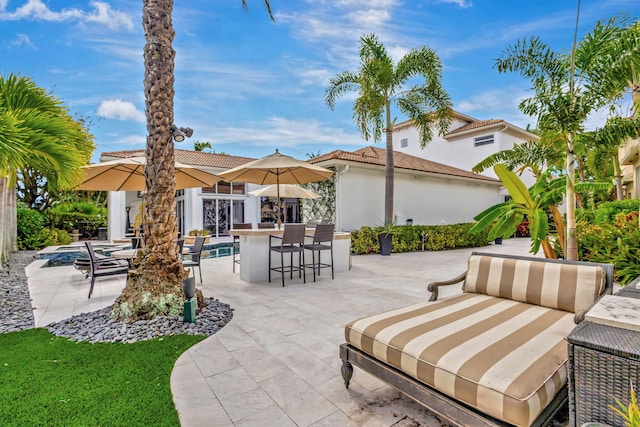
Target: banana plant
(532, 204)
(545, 195)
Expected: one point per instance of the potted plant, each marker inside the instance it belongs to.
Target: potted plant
(385, 237)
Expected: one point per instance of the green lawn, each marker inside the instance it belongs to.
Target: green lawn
(51, 381)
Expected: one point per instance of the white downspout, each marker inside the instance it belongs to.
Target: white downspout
(339, 192)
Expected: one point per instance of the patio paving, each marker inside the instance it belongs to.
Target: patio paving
(276, 363)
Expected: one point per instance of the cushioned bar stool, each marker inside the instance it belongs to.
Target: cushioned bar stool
(292, 241)
(322, 241)
(236, 241)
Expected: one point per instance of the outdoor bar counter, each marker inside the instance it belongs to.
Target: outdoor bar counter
(254, 254)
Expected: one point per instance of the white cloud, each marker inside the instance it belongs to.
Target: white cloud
(497, 104)
(281, 132)
(120, 110)
(21, 40)
(103, 14)
(461, 3)
(37, 10)
(370, 18)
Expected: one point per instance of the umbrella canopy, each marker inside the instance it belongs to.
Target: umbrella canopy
(276, 169)
(285, 190)
(128, 175)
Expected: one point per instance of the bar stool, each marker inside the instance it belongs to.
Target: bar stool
(292, 241)
(322, 241)
(266, 225)
(236, 241)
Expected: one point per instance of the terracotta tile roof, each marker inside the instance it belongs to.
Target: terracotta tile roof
(475, 125)
(189, 157)
(377, 156)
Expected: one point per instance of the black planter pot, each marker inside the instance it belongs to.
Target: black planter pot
(189, 287)
(385, 243)
(498, 241)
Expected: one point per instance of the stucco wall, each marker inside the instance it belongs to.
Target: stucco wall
(460, 152)
(428, 200)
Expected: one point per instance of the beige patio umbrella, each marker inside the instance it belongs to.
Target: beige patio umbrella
(285, 190)
(128, 175)
(276, 169)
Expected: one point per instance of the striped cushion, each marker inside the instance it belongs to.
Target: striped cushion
(566, 287)
(506, 358)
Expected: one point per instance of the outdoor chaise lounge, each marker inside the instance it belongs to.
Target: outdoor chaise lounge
(495, 354)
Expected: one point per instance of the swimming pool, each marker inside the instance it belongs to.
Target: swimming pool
(66, 255)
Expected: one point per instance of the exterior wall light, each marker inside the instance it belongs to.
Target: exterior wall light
(179, 134)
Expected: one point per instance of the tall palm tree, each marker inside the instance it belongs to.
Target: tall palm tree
(37, 133)
(569, 87)
(381, 85)
(154, 286)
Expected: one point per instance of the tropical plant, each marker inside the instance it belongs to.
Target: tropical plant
(631, 412)
(37, 134)
(531, 155)
(504, 218)
(381, 85)
(602, 145)
(569, 87)
(159, 272)
(202, 145)
(387, 229)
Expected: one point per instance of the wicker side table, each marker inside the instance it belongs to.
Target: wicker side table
(602, 362)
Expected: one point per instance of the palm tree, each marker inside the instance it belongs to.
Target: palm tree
(381, 85)
(154, 285)
(202, 145)
(569, 87)
(36, 133)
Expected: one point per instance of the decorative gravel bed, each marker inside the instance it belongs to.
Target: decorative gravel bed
(16, 314)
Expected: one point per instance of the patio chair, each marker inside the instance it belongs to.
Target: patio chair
(292, 241)
(322, 241)
(106, 266)
(195, 256)
(236, 241)
(136, 242)
(266, 225)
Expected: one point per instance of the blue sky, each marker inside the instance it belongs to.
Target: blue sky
(248, 85)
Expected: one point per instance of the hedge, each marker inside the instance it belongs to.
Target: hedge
(412, 238)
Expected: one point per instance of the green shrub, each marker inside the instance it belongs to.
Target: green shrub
(616, 242)
(606, 212)
(32, 233)
(411, 238)
(77, 215)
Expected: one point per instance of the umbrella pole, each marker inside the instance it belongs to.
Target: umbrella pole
(279, 205)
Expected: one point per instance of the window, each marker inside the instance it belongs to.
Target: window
(404, 143)
(226, 188)
(483, 140)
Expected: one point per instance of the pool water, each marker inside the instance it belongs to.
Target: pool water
(68, 255)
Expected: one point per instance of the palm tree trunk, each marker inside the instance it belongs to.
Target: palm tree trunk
(159, 272)
(571, 252)
(617, 174)
(160, 217)
(4, 231)
(388, 169)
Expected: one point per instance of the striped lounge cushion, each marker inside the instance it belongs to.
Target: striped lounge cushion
(566, 287)
(505, 358)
